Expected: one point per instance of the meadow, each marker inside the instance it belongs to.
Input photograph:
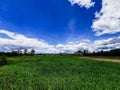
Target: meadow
(53, 72)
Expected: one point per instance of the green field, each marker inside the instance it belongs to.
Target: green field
(59, 73)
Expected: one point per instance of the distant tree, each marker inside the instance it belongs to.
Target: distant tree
(14, 53)
(19, 52)
(25, 51)
(32, 52)
(85, 52)
(101, 53)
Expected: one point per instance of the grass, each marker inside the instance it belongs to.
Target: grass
(59, 73)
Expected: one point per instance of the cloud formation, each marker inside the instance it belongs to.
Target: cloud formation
(13, 41)
(82, 3)
(107, 44)
(18, 41)
(108, 19)
(71, 47)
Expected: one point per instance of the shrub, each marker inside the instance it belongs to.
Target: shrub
(3, 60)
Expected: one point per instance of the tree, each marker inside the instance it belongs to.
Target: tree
(25, 51)
(19, 52)
(3, 60)
(14, 53)
(85, 52)
(32, 52)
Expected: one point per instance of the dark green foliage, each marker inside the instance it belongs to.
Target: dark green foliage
(14, 53)
(114, 52)
(3, 60)
(25, 51)
(32, 52)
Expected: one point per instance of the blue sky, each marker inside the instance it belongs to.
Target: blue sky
(58, 25)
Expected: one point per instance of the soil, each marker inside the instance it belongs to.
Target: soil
(103, 59)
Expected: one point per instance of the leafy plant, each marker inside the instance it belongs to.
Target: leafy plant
(3, 60)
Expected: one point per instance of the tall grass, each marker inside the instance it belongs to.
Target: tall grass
(59, 73)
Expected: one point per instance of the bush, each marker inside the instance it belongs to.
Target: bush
(3, 60)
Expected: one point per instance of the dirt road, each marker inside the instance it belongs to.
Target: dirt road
(103, 59)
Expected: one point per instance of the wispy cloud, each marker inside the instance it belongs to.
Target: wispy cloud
(71, 29)
(83, 3)
(108, 19)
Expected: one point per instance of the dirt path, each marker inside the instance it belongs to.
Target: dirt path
(103, 59)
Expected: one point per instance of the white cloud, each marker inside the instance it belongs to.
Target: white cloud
(86, 44)
(16, 41)
(108, 19)
(107, 44)
(71, 47)
(19, 41)
(83, 3)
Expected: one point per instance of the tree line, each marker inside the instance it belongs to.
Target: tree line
(114, 52)
(18, 52)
